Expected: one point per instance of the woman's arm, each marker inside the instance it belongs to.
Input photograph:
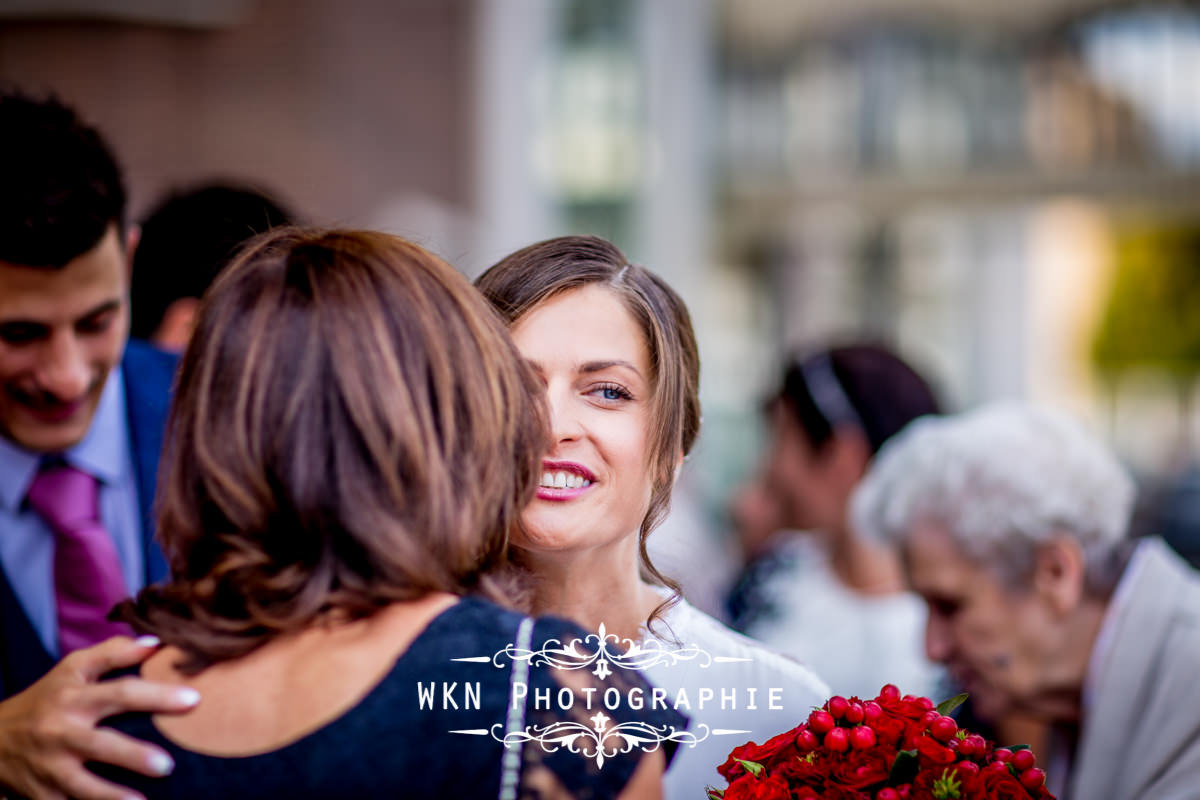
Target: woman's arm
(49, 730)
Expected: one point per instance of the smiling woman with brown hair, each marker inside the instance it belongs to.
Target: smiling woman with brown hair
(353, 437)
(614, 347)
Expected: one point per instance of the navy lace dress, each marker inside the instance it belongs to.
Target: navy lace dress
(431, 727)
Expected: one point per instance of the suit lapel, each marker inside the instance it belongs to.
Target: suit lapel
(23, 659)
(148, 376)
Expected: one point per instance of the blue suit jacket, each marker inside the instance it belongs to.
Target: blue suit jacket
(148, 374)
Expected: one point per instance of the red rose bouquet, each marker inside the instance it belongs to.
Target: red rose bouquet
(889, 748)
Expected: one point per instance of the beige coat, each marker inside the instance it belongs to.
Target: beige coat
(1141, 736)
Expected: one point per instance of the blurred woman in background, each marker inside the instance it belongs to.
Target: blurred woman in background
(828, 596)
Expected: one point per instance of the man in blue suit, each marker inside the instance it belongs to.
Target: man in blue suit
(81, 423)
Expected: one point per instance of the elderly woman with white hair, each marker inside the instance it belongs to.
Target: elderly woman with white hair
(1013, 527)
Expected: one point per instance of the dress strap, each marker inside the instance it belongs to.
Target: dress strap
(510, 769)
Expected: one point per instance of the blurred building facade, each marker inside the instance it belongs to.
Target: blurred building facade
(959, 178)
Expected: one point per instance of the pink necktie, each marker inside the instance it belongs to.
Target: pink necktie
(87, 572)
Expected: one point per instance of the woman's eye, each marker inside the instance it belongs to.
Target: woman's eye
(611, 393)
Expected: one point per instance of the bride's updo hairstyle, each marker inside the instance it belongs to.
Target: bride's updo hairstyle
(352, 427)
(524, 280)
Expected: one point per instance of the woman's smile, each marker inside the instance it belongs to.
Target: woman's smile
(564, 480)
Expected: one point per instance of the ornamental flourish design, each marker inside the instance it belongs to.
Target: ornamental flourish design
(602, 651)
(599, 741)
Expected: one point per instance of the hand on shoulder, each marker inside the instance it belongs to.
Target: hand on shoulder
(49, 731)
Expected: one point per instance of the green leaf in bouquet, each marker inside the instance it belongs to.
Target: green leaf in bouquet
(946, 706)
(715, 794)
(1016, 747)
(904, 768)
(753, 767)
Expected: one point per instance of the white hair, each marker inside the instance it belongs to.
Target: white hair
(1001, 480)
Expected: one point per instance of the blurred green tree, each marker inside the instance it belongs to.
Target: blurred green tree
(1152, 319)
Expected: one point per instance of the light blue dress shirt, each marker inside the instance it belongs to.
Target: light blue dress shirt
(27, 543)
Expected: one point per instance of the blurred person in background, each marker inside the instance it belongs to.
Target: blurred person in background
(184, 242)
(334, 525)
(1013, 525)
(615, 350)
(765, 548)
(828, 596)
(81, 425)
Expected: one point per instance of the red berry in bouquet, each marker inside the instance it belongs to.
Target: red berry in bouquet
(1023, 760)
(862, 738)
(820, 722)
(943, 729)
(837, 706)
(806, 740)
(838, 740)
(973, 746)
(1033, 778)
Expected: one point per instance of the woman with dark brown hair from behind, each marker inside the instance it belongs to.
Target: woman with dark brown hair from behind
(353, 437)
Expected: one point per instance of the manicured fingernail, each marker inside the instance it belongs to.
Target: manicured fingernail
(161, 764)
(187, 697)
(147, 641)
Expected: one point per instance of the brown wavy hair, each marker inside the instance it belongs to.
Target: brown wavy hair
(352, 427)
(522, 281)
